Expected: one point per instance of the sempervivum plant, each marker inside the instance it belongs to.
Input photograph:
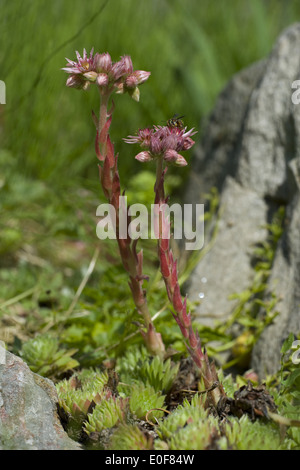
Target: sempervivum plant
(78, 393)
(106, 414)
(45, 357)
(145, 401)
(136, 366)
(116, 77)
(162, 144)
(130, 437)
(78, 396)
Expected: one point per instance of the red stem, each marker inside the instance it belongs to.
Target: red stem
(170, 275)
(132, 261)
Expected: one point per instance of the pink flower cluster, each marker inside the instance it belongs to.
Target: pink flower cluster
(109, 76)
(165, 141)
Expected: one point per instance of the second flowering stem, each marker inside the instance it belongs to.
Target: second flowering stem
(168, 266)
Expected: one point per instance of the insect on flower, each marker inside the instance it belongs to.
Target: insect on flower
(176, 121)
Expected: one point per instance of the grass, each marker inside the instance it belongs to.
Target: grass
(192, 48)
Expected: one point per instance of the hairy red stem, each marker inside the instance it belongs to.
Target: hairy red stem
(132, 261)
(170, 275)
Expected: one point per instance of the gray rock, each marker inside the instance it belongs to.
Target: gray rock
(285, 283)
(226, 268)
(28, 416)
(217, 156)
(251, 153)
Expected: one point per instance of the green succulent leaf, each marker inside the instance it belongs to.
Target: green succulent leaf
(138, 366)
(45, 357)
(181, 416)
(106, 415)
(143, 399)
(245, 435)
(130, 437)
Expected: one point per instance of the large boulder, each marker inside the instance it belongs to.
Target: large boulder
(28, 412)
(251, 153)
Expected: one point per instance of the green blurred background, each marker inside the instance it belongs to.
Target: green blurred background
(191, 47)
(49, 187)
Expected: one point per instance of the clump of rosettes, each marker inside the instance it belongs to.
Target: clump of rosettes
(163, 141)
(107, 75)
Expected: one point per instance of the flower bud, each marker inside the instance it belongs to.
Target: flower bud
(75, 81)
(102, 79)
(90, 76)
(102, 62)
(155, 145)
(143, 157)
(188, 143)
(127, 64)
(136, 78)
(180, 161)
(131, 81)
(122, 67)
(169, 142)
(171, 156)
(141, 75)
(251, 375)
